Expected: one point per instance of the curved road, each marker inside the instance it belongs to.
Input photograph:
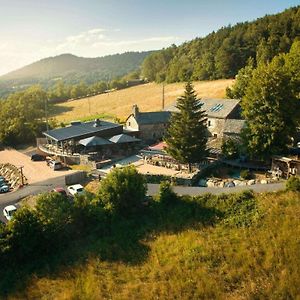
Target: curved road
(193, 191)
(47, 185)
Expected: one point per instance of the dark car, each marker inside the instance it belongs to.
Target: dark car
(38, 157)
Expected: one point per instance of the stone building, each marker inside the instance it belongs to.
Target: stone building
(148, 126)
(223, 116)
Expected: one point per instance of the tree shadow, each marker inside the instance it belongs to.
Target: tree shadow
(59, 110)
(119, 240)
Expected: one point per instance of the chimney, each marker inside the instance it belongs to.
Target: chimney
(135, 110)
(97, 123)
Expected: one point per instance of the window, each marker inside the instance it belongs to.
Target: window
(128, 123)
(215, 135)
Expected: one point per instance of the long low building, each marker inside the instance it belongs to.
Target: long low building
(103, 137)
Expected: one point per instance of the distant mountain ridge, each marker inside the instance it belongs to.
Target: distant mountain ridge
(73, 69)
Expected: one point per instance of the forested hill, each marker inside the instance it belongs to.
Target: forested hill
(72, 69)
(221, 54)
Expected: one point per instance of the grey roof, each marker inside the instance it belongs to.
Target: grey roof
(94, 141)
(80, 130)
(155, 117)
(123, 138)
(233, 126)
(217, 108)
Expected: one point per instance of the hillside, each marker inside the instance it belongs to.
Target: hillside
(223, 53)
(226, 247)
(148, 97)
(73, 69)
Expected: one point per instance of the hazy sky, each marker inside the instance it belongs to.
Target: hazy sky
(34, 29)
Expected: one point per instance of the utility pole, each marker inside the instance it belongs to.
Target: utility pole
(163, 96)
(89, 105)
(46, 113)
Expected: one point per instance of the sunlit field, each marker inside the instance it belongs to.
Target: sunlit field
(148, 97)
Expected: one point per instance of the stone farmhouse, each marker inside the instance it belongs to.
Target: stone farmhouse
(148, 126)
(223, 117)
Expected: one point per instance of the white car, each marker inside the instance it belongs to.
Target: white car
(76, 189)
(8, 211)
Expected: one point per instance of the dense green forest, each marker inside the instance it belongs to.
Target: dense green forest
(270, 96)
(223, 53)
(71, 70)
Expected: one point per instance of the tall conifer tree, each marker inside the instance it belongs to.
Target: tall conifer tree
(187, 135)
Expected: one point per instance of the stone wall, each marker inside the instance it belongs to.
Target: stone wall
(153, 132)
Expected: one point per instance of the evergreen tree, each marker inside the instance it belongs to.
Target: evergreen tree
(187, 134)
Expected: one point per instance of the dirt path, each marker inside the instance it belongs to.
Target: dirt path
(34, 171)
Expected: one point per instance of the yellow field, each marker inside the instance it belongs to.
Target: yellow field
(148, 97)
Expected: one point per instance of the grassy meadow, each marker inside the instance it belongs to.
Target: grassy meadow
(119, 103)
(208, 247)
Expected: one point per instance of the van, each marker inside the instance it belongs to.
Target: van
(55, 165)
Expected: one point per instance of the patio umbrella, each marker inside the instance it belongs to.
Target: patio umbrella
(123, 138)
(94, 141)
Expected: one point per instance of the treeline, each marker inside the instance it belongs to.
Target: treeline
(223, 53)
(61, 91)
(270, 96)
(71, 70)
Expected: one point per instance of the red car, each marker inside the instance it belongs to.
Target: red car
(60, 190)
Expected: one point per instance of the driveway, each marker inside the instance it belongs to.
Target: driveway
(34, 171)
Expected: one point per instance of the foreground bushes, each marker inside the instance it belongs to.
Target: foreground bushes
(188, 246)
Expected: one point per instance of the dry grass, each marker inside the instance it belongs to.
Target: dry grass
(148, 97)
(216, 262)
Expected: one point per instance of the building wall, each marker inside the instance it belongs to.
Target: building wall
(153, 132)
(131, 123)
(215, 127)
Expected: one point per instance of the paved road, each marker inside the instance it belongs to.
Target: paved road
(47, 185)
(193, 191)
(32, 189)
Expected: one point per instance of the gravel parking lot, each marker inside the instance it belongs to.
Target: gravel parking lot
(34, 171)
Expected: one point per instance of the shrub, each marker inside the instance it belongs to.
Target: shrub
(230, 148)
(293, 184)
(246, 174)
(123, 191)
(166, 193)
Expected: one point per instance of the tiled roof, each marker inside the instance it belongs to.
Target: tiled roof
(156, 117)
(233, 126)
(217, 108)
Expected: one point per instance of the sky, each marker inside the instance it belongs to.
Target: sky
(34, 29)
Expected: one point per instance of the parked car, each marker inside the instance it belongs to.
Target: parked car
(55, 165)
(38, 157)
(4, 189)
(76, 189)
(8, 211)
(60, 190)
(2, 182)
